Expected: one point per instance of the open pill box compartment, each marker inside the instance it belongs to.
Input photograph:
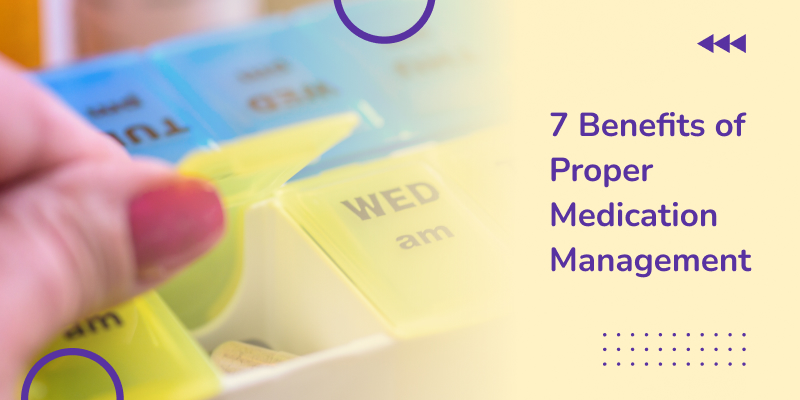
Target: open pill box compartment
(378, 262)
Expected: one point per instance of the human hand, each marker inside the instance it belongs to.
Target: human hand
(82, 225)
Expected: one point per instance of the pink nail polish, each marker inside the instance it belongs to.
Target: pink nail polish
(173, 225)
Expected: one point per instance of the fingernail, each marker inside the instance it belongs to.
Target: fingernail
(173, 225)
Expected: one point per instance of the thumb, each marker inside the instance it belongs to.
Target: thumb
(88, 235)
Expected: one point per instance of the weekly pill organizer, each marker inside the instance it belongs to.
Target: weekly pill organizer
(363, 189)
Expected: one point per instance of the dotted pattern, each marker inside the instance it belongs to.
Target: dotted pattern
(675, 334)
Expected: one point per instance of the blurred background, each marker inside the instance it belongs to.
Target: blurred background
(45, 33)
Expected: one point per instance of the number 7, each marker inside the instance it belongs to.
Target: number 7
(560, 123)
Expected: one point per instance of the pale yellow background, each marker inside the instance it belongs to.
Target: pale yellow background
(635, 60)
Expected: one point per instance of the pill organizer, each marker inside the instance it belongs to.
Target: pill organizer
(365, 218)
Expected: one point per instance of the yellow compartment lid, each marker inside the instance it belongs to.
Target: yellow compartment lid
(245, 171)
(153, 355)
(423, 257)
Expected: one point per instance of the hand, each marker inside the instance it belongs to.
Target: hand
(82, 225)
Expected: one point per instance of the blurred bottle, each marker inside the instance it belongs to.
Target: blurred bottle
(19, 31)
(36, 33)
(46, 33)
(109, 25)
(287, 5)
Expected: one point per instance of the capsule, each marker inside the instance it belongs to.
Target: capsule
(238, 356)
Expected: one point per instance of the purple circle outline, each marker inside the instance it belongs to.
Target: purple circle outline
(26, 386)
(384, 39)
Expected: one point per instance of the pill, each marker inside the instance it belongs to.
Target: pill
(238, 356)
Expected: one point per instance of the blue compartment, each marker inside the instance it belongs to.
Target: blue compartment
(442, 81)
(197, 90)
(125, 97)
(257, 79)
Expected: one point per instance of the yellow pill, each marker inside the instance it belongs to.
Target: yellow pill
(238, 356)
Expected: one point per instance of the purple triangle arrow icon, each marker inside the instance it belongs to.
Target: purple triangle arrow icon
(707, 43)
(740, 43)
(724, 43)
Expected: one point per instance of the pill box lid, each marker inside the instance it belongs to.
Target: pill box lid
(253, 167)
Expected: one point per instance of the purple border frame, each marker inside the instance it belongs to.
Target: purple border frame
(26, 387)
(384, 39)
